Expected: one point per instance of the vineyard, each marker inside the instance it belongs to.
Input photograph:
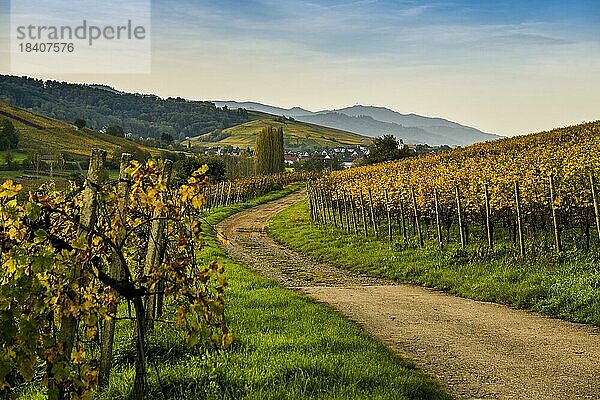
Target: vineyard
(77, 261)
(226, 193)
(532, 193)
(80, 262)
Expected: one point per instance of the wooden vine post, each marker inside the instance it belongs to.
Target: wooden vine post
(347, 215)
(228, 194)
(519, 219)
(416, 212)
(554, 215)
(488, 218)
(372, 214)
(363, 212)
(332, 208)
(116, 272)
(222, 195)
(327, 207)
(145, 313)
(329, 201)
(310, 202)
(315, 203)
(154, 251)
(461, 228)
(96, 176)
(209, 199)
(205, 206)
(160, 296)
(389, 215)
(401, 221)
(338, 206)
(353, 207)
(216, 195)
(438, 223)
(595, 200)
(323, 206)
(326, 215)
(318, 208)
(222, 199)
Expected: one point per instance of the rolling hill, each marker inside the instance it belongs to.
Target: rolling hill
(376, 121)
(50, 136)
(143, 115)
(297, 135)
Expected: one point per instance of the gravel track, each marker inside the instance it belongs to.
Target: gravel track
(478, 350)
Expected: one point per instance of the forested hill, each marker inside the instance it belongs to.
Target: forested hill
(50, 137)
(142, 115)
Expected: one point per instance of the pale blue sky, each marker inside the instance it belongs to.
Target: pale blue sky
(508, 67)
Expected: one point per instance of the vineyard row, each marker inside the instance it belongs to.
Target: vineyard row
(226, 193)
(359, 212)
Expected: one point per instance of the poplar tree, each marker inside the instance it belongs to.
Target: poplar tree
(269, 151)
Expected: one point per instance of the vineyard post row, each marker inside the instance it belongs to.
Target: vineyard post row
(329, 207)
(226, 193)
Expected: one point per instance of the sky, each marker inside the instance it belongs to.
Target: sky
(506, 67)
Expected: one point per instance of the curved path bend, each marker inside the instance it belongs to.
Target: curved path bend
(478, 350)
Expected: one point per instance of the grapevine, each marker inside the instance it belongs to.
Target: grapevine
(59, 287)
(568, 157)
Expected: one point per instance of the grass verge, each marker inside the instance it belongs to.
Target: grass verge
(286, 346)
(17, 156)
(567, 286)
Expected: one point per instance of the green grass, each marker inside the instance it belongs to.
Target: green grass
(286, 346)
(565, 286)
(18, 157)
(4, 175)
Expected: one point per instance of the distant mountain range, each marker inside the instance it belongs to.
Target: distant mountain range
(376, 121)
(147, 115)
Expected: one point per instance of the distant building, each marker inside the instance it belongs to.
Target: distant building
(290, 158)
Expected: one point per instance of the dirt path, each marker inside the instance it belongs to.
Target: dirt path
(479, 350)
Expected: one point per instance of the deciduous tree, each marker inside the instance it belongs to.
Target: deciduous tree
(8, 135)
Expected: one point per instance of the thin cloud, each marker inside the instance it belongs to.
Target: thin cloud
(367, 28)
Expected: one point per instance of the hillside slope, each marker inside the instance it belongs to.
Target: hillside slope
(141, 114)
(50, 136)
(297, 135)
